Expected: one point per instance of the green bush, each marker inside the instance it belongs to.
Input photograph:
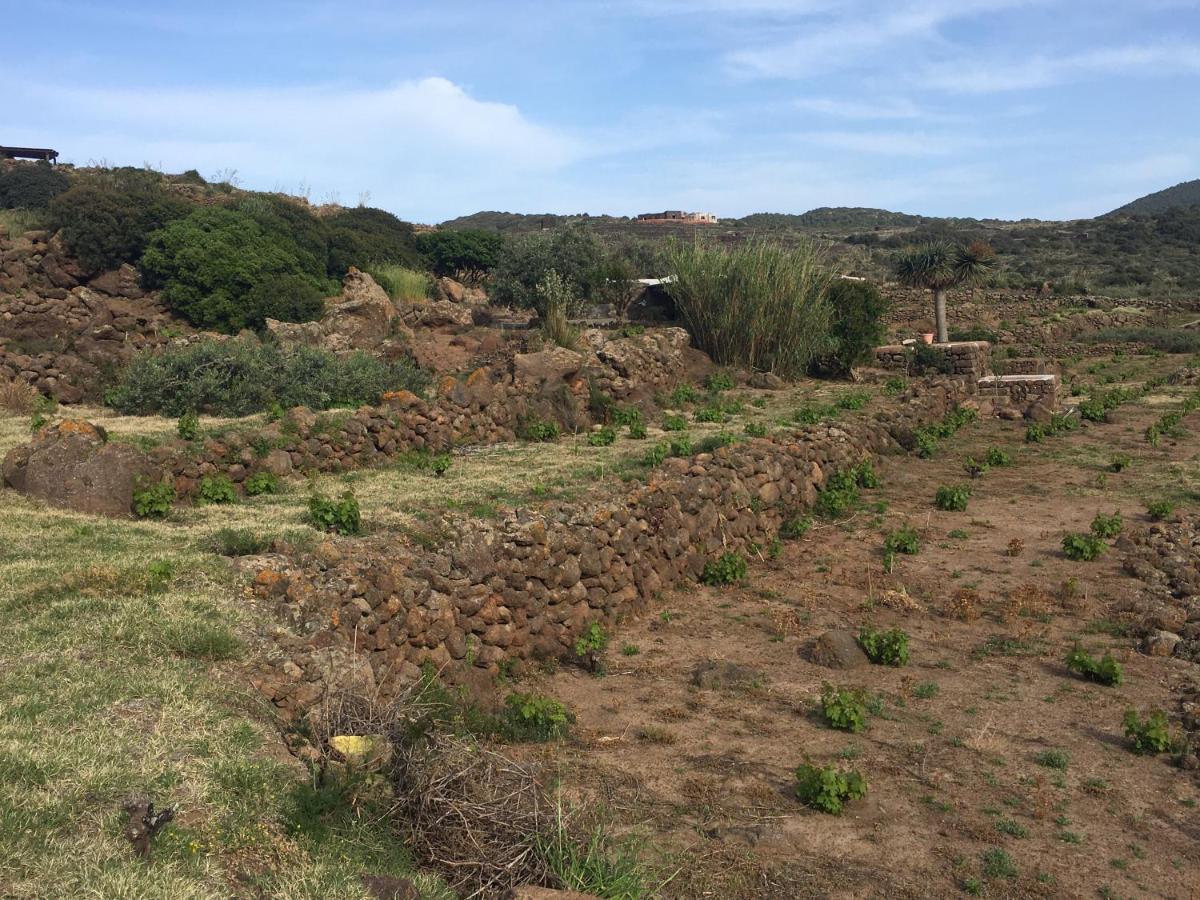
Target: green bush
(683, 395)
(637, 430)
(795, 528)
(853, 400)
(537, 430)
(188, 426)
(1106, 671)
(604, 436)
(757, 305)
(107, 219)
(1082, 547)
(1120, 462)
(674, 423)
(1150, 735)
(711, 414)
(153, 501)
(575, 253)
(952, 498)
(1035, 433)
(261, 483)
(719, 381)
(237, 378)
(31, 186)
(843, 709)
(857, 326)
(884, 648)
(997, 457)
(467, 252)
(364, 237)
(532, 717)
(341, 516)
(1107, 526)
(216, 489)
(974, 467)
(1160, 509)
(903, 540)
(220, 269)
(828, 789)
(239, 542)
(1053, 759)
(755, 430)
(728, 568)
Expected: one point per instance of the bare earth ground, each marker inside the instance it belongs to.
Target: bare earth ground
(119, 675)
(950, 760)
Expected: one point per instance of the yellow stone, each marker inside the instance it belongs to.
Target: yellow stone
(362, 751)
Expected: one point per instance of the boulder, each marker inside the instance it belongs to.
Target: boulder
(438, 314)
(361, 318)
(72, 465)
(711, 674)
(837, 649)
(555, 364)
(1161, 643)
(122, 282)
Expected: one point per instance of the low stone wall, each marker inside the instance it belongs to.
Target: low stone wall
(968, 359)
(500, 596)
(1020, 391)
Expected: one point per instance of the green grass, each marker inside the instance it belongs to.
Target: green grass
(402, 284)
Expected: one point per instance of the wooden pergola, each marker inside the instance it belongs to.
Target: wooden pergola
(42, 153)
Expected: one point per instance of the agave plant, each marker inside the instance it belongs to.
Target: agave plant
(939, 266)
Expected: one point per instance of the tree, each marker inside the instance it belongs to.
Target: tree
(939, 266)
(468, 253)
(856, 326)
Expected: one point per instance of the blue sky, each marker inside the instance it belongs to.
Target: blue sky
(1008, 108)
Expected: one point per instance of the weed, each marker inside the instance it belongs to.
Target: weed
(1107, 526)
(239, 542)
(154, 501)
(794, 529)
(1082, 547)
(998, 864)
(1149, 735)
(728, 568)
(1119, 463)
(1035, 433)
(952, 498)
(885, 648)
(1015, 547)
(216, 489)
(1053, 759)
(188, 426)
(853, 400)
(926, 690)
(718, 381)
(637, 430)
(684, 394)
(829, 788)
(997, 457)
(602, 437)
(755, 429)
(1107, 671)
(630, 650)
(342, 516)
(957, 534)
(843, 709)
(261, 483)
(895, 386)
(1012, 828)
(674, 423)
(440, 464)
(541, 431)
(1158, 510)
(532, 717)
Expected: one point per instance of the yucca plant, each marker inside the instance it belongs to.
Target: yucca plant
(939, 266)
(758, 305)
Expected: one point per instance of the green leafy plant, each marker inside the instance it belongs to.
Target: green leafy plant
(755, 430)
(843, 709)
(997, 457)
(216, 489)
(1053, 759)
(674, 423)
(188, 426)
(998, 864)
(952, 498)
(710, 414)
(1106, 671)
(1120, 462)
(683, 395)
(853, 400)
(261, 483)
(1107, 526)
(532, 717)
(974, 467)
(538, 430)
(637, 430)
(719, 381)
(342, 516)
(602, 437)
(829, 788)
(1159, 510)
(153, 501)
(795, 528)
(728, 568)
(440, 464)
(885, 648)
(239, 542)
(1082, 547)
(1035, 433)
(1149, 735)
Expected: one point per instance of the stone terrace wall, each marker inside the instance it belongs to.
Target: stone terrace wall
(527, 589)
(1021, 391)
(971, 359)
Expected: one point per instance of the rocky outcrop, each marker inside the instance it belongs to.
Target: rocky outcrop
(362, 317)
(72, 465)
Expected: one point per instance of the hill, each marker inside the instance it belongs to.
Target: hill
(1186, 193)
(834, 218)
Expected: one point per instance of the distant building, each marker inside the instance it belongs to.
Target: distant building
(678, 215)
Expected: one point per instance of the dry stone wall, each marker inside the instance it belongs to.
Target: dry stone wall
(498, 597)
(968, 359)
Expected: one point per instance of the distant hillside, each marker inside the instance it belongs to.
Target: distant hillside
(835, 218)
(492, 220)
(1186, 193)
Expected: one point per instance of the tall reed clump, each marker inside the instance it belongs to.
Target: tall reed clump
(555, 297)
(402, 284)
(758, 305)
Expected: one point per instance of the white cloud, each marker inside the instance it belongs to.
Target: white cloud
(857, 110)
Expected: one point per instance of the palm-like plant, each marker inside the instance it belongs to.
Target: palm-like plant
(939, 266)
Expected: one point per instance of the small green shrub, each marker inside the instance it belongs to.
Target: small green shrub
(1082, 547)
(261, 483)
(997, 457)
(795, 528)
(674, 423)
(715, 441)
(902, 540)
(1159, 510)
(952, 498)
(1120, 462)
(216, 489)
(681, 446)
(532, 717)
(998, 864)
(31, 186)
(755, 430)
(895, 386)
(1035, 433)
(1053, 759)
(602, 437)
(188, 426)
(719, 381)
(1107, 526)
(813, 415)
(1150, 735)
(656, 454)
(853, 400)
(974, 467)
(884, 648)
(440, 464)
(537, 430)
(710, 414)
(637, 430)
(153, 501)
(239, 542)
(683, 395)
(843, 709)
(828, 789)
(728, 568)
(1106, 671)
(341, 516)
